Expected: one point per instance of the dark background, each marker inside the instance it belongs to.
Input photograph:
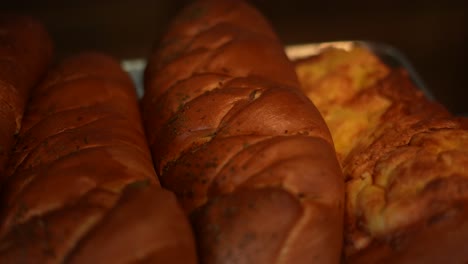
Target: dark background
(432, 34)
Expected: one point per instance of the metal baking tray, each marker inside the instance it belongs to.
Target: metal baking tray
(388, 54)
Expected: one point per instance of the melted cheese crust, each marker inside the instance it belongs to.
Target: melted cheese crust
(405, 159)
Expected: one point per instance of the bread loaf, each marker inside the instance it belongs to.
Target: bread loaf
(247, 154)
(25, 52)
(81, 187)
(405, 160)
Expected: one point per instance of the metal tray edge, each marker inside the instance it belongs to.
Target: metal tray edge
(387, 53)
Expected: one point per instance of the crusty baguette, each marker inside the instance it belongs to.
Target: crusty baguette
(248, 155)
(25, 52)
(81, 186)
(405, 159)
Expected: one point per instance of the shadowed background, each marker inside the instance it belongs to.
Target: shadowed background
(432, 34)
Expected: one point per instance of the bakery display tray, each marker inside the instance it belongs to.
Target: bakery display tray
(388, 54)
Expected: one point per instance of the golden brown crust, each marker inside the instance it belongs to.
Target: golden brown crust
(442, 239)
(246, 153)
(25, 52)
(135, 232)
(81, 148)
(406, 165)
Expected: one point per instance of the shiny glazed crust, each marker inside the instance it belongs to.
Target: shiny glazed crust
(25, 52)
(405, 160)
(81, 187)
(247, 154)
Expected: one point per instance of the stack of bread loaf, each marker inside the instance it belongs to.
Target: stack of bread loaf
(238, 154)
